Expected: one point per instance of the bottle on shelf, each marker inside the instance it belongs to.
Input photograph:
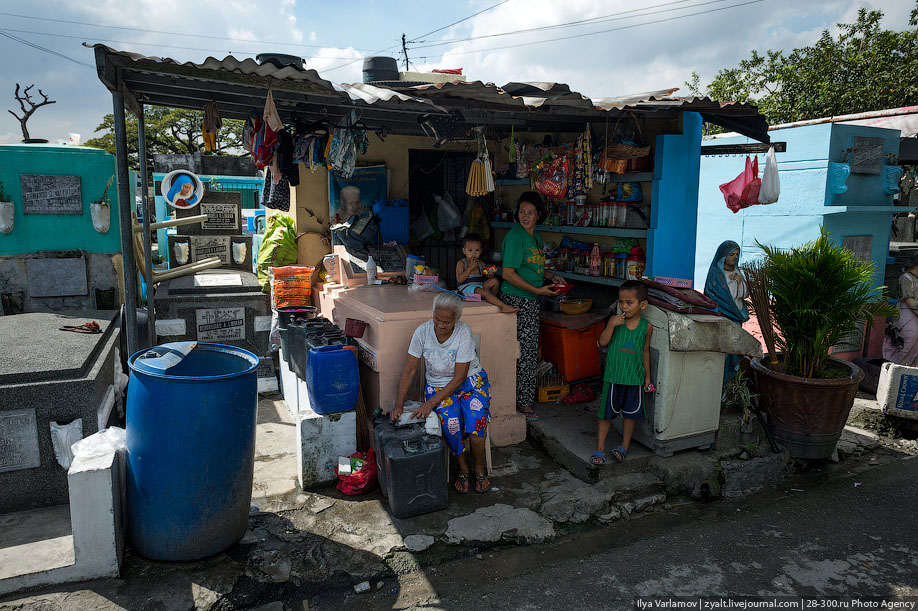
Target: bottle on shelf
(371, 270)
(620, 265)
(635, 264)
(595, 261)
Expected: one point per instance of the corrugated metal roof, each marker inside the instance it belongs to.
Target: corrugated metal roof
(239, 86)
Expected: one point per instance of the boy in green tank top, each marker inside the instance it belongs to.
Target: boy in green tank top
(627, 374)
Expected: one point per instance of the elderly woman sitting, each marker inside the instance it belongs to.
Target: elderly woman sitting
(457, 387)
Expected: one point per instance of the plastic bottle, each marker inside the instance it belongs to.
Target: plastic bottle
(371, 270)
(595, 260)
(635, 264)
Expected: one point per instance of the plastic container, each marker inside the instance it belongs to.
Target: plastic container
(331, 379)
(292, 314)
(595, 261)
(354, 327)
(635, 264)
(621, 265)
(410, 262)
(190, 435)
(385, 431)
(572, 351)
(415, 475)
(392, 218)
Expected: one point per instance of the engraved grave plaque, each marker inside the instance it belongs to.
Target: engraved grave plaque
(46, 194)
(868, 156)
(18, 440)
(220, 216)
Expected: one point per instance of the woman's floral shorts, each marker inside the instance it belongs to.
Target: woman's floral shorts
(465, 412)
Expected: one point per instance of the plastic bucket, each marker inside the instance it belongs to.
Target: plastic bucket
(191, 410)
(354, 327)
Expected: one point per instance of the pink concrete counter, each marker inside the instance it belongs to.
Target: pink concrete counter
(393, 313)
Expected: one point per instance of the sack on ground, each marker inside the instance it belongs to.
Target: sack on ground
(291, 286)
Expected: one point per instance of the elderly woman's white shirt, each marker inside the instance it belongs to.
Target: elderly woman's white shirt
(440, 359)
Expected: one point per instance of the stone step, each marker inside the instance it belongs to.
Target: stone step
(567, 433)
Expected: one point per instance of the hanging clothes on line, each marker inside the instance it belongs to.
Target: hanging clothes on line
(211, 126)
(276, 193)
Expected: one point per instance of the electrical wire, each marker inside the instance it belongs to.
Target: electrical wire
(45, 49)
(624, 27)
(150, 44)
(467, 18)
(120, 27)
(387, 49)
(582, 22)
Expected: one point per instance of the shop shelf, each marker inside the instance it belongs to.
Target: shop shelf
(511, 182)
(617, 232)
(630, 177)
(593, 279)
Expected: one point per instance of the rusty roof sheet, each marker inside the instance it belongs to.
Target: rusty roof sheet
(238, 86)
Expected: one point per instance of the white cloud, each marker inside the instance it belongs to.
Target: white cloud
(635, 59)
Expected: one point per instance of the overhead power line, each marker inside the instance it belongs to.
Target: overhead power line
(463, 19)
(151, 44)
(422, 36)
(624, 27)
(133, 29)
(45, 49)
(629, 14)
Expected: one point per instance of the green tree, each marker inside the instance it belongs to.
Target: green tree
(168, 130)
(863, 68)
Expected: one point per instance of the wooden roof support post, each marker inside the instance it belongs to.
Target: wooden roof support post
(129, 324)
(147, 240)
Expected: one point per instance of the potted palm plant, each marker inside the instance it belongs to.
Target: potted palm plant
(808, 300)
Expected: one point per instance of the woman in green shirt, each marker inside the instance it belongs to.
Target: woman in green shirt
(523, 261)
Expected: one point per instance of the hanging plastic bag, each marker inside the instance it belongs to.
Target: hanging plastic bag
(771, 184)
(421, 227)
(448, 215)
(363, 476)
(743, 191)
(551, 180)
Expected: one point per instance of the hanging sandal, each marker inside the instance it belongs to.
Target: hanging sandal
(461, 485)
(480, 486)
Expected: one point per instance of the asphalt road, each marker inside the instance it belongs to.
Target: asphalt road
(854, 538)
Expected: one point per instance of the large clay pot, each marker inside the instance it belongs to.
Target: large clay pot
(807, 415)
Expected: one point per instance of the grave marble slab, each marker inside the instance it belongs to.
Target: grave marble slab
(53, 277)
(18, 440)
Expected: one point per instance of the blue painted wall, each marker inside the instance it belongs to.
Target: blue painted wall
(37, 232)
(802, 207)
(671, 239)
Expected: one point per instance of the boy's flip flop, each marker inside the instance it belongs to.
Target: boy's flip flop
(598, 458)
(620, 453)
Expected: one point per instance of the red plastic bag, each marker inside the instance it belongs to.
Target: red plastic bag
(362, 480)
(743, 191)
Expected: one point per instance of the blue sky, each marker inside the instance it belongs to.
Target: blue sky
(638, 56)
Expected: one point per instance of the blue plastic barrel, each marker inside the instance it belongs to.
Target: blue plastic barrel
(332, 382)
(191, 411)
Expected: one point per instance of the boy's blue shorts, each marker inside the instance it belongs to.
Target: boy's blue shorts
(624, 399)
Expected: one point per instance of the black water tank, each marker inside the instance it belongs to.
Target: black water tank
(380, 68)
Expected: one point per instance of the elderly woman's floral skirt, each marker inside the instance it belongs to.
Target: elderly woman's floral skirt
(465, 412)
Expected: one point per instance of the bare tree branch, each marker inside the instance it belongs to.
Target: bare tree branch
(25, 98)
